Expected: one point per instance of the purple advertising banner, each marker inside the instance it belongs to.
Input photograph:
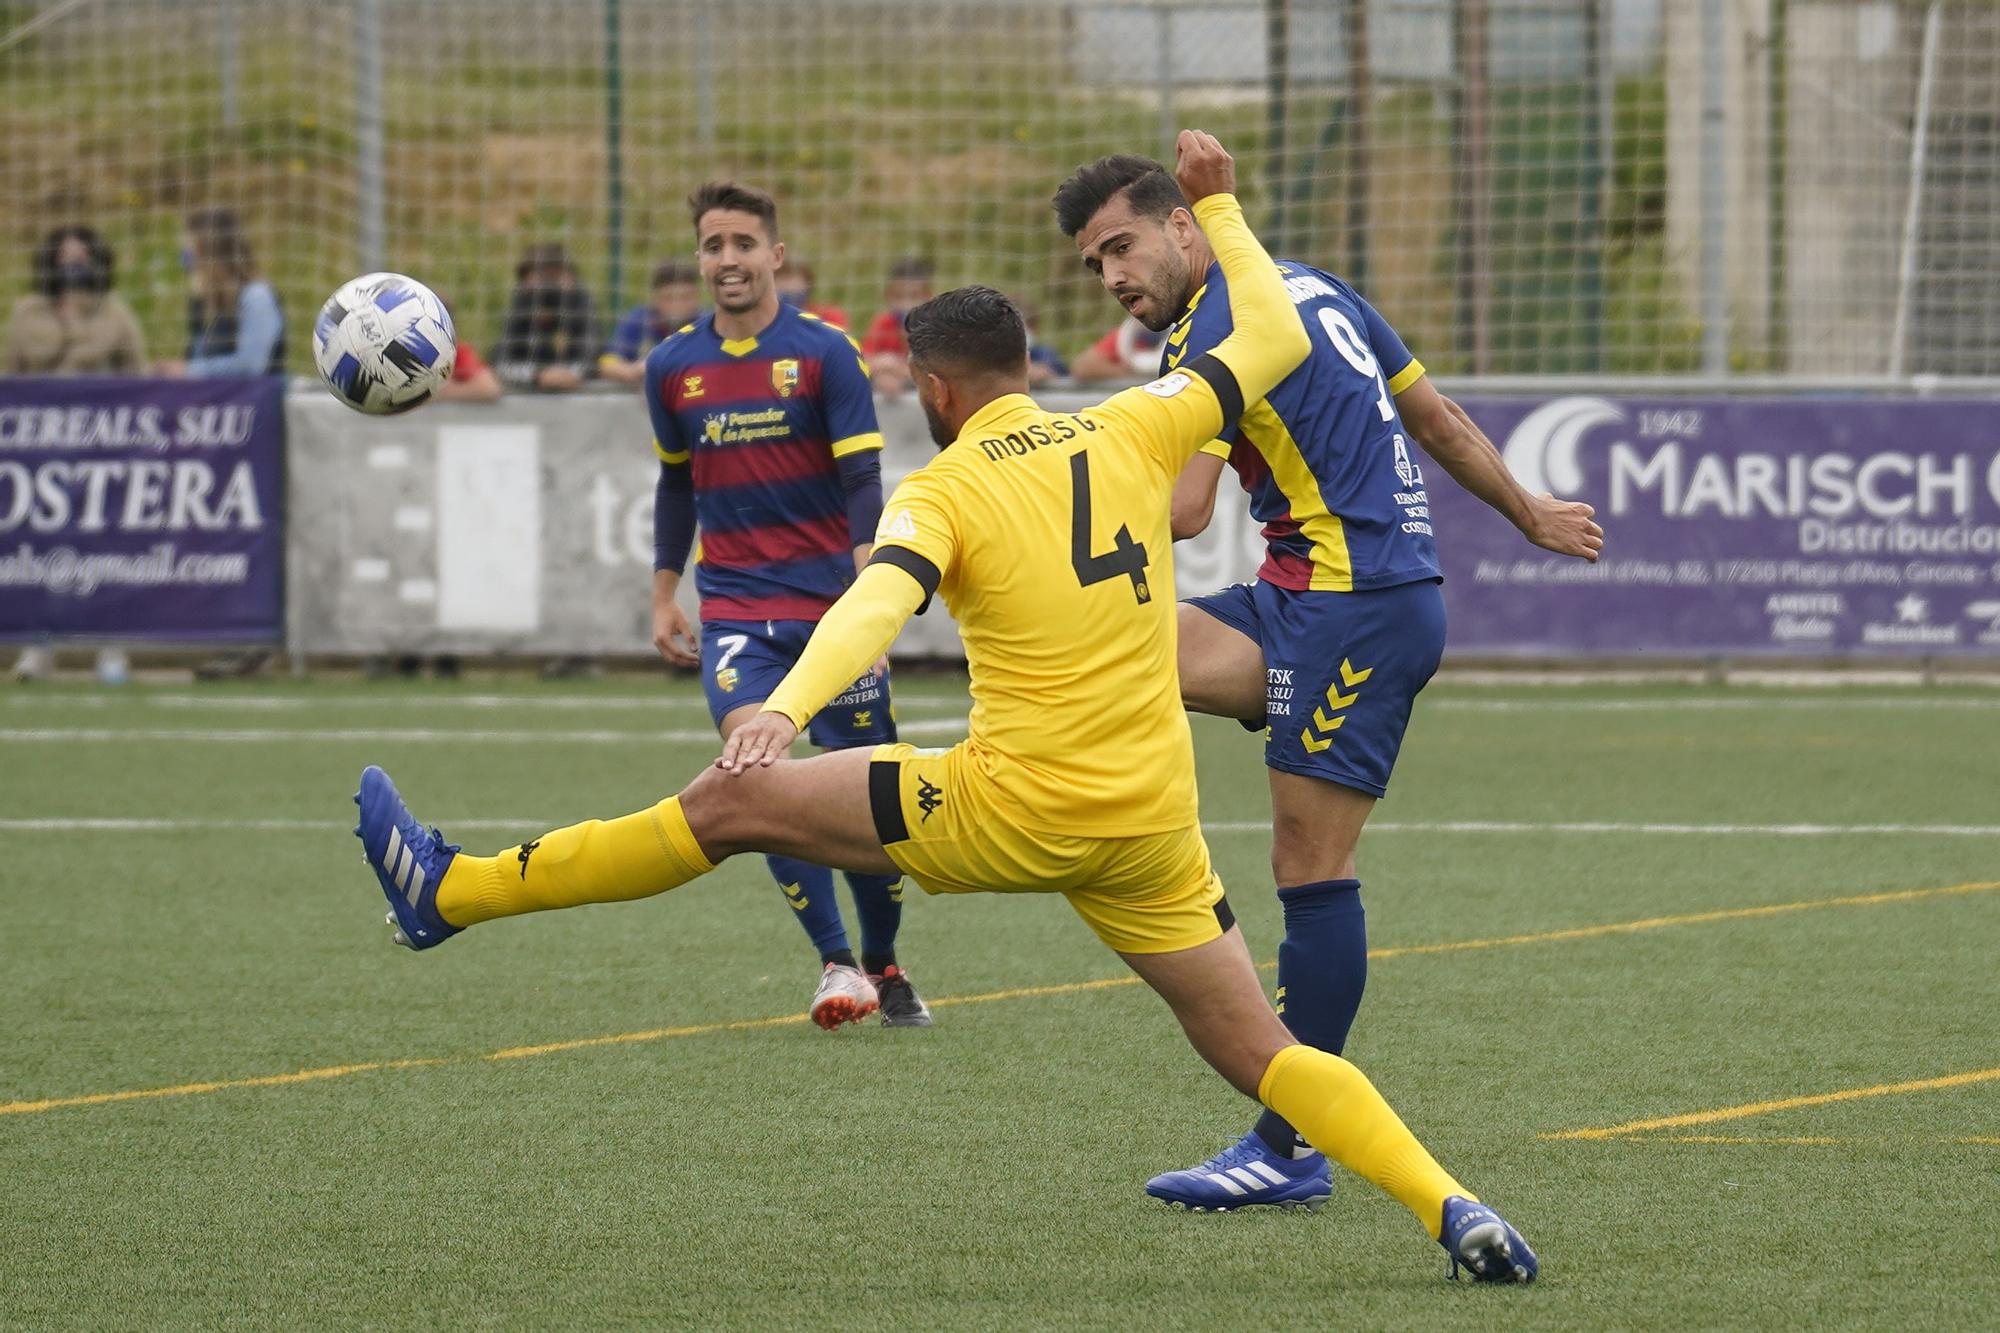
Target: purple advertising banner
(141, 508)
(1801, 526)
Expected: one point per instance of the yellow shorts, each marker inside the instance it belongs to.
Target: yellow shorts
(940, 823)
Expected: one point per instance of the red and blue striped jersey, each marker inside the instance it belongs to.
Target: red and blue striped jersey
(1325, 458)
(760, 423)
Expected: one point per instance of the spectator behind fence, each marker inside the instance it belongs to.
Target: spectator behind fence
(1045, 363)
(887, 350)
(795, 288)
(71, 322)
(472, 380)
(1130, 352)
(549, 340)
(675, 302)
(235, 324)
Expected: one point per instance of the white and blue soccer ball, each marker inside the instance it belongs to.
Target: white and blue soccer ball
(384, 343)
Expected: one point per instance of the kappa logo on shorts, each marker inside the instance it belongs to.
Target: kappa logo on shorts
(1318, 733)
(929, 796)
(527, 850)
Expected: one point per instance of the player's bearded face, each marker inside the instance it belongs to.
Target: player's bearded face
(1156, 294)
(1139, 263)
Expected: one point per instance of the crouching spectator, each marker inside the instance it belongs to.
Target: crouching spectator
(549, 339)
(676, 300)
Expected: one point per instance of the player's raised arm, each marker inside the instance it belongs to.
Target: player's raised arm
(1267, 341)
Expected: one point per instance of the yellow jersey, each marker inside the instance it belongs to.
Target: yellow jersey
(1047, 535)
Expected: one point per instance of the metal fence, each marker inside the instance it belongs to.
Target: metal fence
(1789, 189)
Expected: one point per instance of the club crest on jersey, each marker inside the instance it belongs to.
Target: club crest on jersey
(1407, 471)
(713, 425)
(785, 377)
(691, 387)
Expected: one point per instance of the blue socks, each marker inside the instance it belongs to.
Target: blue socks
(878, 901)
(809, 889)
(1322, 971)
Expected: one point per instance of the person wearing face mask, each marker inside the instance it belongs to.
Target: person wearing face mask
(885, 346)
(235, 324)
(549, 339)
(71, 322)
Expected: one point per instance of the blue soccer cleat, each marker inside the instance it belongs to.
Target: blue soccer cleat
(1247, 1174)
(409, 861)
(1481, 1240)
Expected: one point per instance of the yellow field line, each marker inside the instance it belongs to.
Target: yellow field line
(1748, 1109)
(1808, 1140)
(1690, 919)
(989, 997)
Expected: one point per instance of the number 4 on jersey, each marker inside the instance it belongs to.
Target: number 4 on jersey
(1125, 557)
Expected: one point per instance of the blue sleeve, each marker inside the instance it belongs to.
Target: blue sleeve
(628, 339)
(1399, 368)
(259, 324)
(673, 517)
(848, 400)
(861, 479)
(667, 440)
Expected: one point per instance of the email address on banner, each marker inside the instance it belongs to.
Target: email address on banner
(66, 570)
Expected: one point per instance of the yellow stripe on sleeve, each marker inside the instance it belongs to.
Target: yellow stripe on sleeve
(1218, 449)
(1407, 376)
(675, 456)
(854, 444)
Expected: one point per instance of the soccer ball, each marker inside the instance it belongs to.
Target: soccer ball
(384, 343)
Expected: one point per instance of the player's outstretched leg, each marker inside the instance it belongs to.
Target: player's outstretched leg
(1213, 991)
(813, 809)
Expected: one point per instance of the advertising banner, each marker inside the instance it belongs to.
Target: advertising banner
(1796, 526)
(526, 526)
(141, 508)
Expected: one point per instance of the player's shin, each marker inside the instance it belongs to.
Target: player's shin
(1338, 1111)
(878, 902)
(1322, 972)
(598, 861)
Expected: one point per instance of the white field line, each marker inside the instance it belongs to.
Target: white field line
(1831, 703)
(569, 703)
(392, 735)
(956, 703)
(89, 824)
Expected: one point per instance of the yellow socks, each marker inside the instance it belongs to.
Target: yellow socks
(1337, 1110)
(598, 861)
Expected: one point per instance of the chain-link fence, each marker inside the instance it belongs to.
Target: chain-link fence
(1801, 188)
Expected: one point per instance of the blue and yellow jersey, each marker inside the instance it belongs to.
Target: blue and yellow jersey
(761, 422)
(1325, 457)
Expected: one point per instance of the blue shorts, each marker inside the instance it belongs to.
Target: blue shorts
(742, 662)
(1341, 671)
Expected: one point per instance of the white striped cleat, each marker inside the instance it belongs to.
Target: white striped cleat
(1247, 1174)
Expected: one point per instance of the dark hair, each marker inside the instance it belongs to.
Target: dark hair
(544, 254)
(218, 239)
(910, 270)
(1146, 185)
(973, 329)
(671, 271)
(735, 198)
(42, 265)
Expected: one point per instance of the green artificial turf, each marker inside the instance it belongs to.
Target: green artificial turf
(985, 1173)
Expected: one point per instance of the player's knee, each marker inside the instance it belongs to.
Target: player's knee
(1304, 852)
(721, 809)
